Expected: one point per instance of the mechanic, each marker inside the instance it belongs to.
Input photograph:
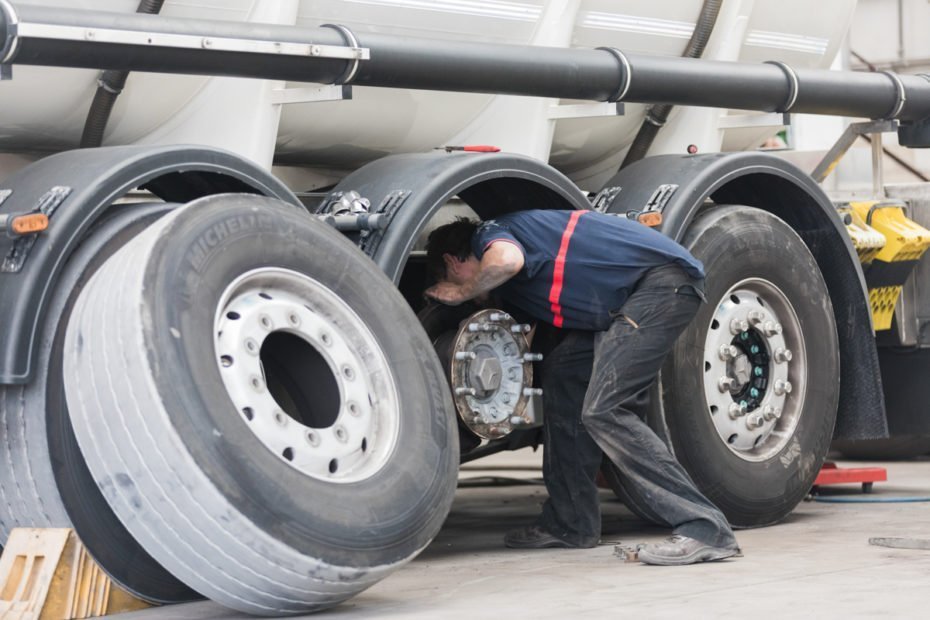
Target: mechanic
(620, 294)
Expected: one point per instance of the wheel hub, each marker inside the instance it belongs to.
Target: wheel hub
(750, 371)
(492, 374)
(306, 375)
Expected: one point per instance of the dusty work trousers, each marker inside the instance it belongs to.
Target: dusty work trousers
(594, 396)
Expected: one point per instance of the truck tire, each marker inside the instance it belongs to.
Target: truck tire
(754, 446)
(260, 407)
(44, 481)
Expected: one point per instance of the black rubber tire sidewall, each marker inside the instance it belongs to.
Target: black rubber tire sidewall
(383, 519)
(735, 243)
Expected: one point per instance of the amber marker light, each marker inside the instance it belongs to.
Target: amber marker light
(29, 224)
(650, 218)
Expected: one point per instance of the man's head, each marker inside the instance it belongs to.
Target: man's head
(449, 256)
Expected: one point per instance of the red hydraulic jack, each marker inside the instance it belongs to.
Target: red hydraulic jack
(831, 474)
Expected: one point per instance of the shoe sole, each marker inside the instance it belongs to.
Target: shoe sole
(704, 554)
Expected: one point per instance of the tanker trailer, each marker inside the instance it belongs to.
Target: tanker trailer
(212, 374)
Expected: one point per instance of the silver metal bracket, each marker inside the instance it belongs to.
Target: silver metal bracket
(187, 41)
(586, 110)
(741, 121)
(605, 197)
(845, 141)
(310, 94)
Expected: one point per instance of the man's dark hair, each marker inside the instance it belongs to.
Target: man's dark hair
(454, 239)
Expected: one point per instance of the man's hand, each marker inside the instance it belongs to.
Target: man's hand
(447, 293)
(501, 261)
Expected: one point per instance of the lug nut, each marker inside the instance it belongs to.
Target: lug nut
(736, 411)
(782, 387)
(768, 413)
(520, 328)
(725, 384)
(465, 391)
(771, 328)
(783, 355)
(727, 352)
(466, 355)
(738, 325)
(756, 316)
(499, 316)
(754, 421)
(516, 420)
(532, 357)
(480, 327)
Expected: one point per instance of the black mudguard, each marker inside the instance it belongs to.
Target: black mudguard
(74, 189)
(409, 189)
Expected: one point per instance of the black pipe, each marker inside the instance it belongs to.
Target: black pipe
(406, 62)
(658, 113)
(109, 87)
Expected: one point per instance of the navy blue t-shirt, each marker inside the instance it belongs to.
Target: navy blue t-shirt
(578, 265)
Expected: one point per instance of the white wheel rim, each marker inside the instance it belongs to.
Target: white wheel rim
(353, 438)
(755, 398)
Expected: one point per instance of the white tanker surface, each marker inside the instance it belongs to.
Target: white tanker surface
(43, 109)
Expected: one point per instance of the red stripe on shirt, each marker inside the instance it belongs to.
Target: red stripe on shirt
(558, 273)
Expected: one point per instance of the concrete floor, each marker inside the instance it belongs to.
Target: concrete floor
(817, 564)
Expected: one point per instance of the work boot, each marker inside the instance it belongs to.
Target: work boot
(535, 537)
(678, 550)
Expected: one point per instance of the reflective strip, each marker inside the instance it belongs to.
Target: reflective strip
(558, 273)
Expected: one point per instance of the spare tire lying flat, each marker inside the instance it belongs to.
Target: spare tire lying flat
(260, 407)
(44, 481)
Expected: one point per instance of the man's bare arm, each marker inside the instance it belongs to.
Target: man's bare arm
(500, 262)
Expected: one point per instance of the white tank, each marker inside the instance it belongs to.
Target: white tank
(313, 144)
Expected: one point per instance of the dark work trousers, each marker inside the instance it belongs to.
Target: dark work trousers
(594, 391)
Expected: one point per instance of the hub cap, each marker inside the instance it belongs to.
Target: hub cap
(755, 369)
(306, 375)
